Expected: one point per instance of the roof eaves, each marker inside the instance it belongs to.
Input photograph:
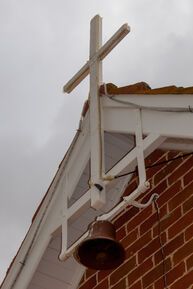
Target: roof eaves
(143, 88)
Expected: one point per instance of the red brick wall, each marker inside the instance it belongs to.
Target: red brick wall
(137, 230)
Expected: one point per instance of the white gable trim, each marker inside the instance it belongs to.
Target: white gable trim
(173, 123)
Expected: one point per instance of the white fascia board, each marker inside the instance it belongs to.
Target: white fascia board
(151, 100)
(121, 118)
(45, 219)
(21, 273)
(48, 219)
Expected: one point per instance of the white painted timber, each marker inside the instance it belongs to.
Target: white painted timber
(94, 66)
(79, 159)
(31, 264)
(150, 143)
(139, 147)
(121, 118)
(183, 145)
(98, 197)
(101, 54)
(173, 101)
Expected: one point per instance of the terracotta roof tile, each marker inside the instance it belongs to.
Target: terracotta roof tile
(144, 88)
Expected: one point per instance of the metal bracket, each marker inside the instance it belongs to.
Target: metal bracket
(145, 205)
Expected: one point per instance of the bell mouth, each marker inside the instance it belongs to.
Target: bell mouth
(100, 253)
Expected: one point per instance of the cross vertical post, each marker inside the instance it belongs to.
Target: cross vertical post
(96, 194)
(94, 68)
(96, 133)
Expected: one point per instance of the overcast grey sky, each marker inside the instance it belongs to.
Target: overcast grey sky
(43, 43)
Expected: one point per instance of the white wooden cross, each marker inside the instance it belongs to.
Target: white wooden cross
(94, 67)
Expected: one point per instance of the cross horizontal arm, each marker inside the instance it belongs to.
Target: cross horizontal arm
(113, 41)
(76, 79)
(103, 51)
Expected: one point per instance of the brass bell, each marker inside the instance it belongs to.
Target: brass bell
(100, 250)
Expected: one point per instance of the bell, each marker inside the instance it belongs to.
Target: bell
(100, 250)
